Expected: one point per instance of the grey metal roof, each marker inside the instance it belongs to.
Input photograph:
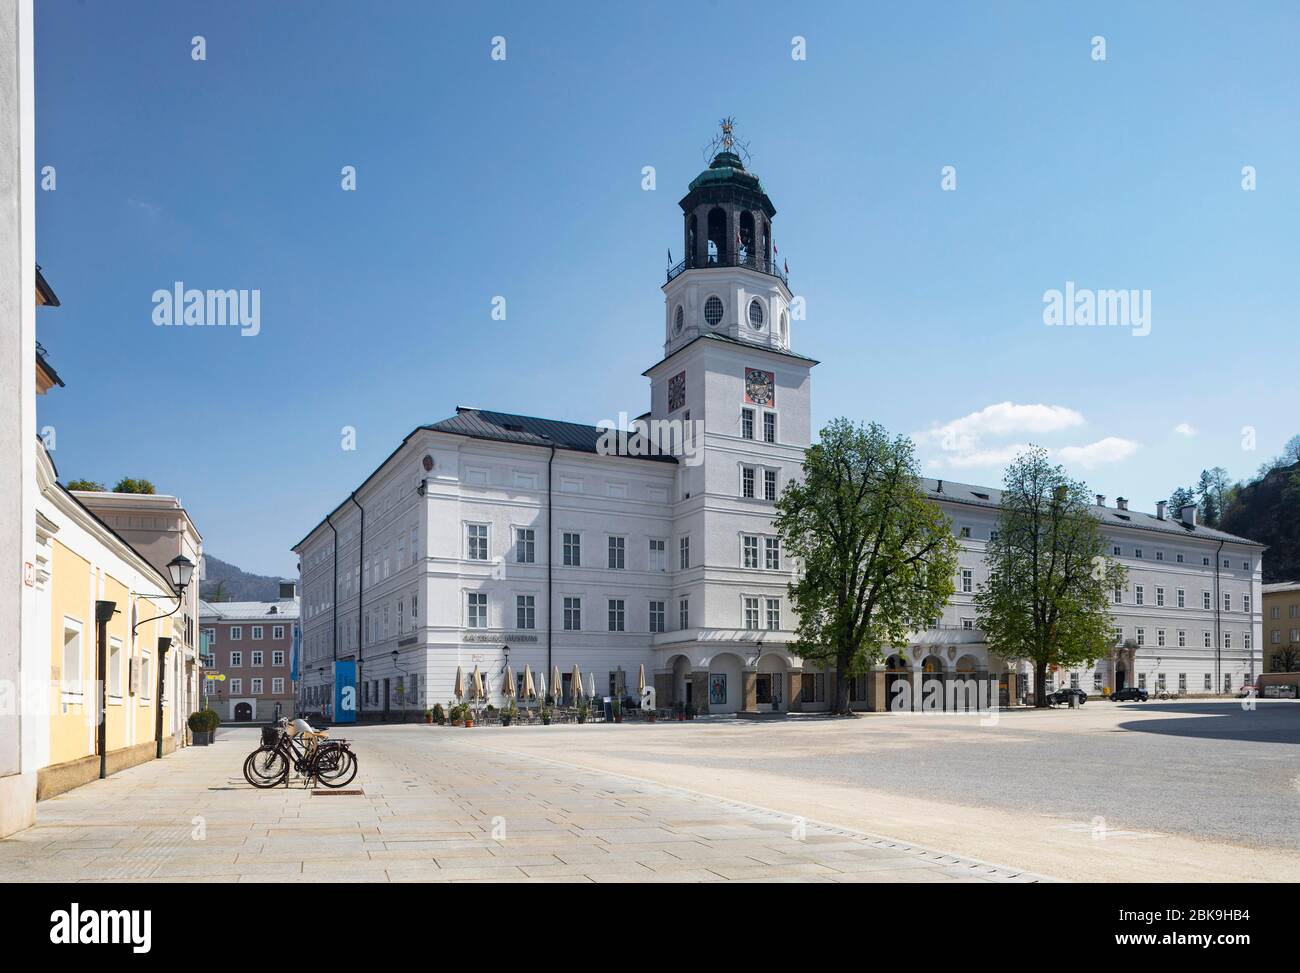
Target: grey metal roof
(1109, 516)
(506, 427)
(1281, 586)
(245, 611)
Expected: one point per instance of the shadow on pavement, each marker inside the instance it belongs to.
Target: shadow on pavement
(1270, 722)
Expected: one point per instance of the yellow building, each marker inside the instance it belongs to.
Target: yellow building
(1281, 604)
(104, 609)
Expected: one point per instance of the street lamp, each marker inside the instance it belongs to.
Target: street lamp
(181, 571)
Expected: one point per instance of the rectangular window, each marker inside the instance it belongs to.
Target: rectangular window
(256, 661)
(751, 613)
(1160, 636)
(1182, 682)
(1205, 600)
(1141, 637)
(277, 685)
(967, 580)
(1227, 640)
(617, 551)
(747, 482)
(656, 616)
(573, 614)
(257, 685)
(658, 558)
(963, 533)
(236, 659)
(1208, 684)
(1160, 681)
(1160, 596)
(1182, 637)
(476, 548)
(1160, 555)
(277, 632)
(769, 427)
(1139, 594)
(747, 423)
(236, 687)
(1142, 680)
(1227, 601)
(749, 551)
(773, 554)
(1245, 604)
(1096, 682)
(1137, 552)
(1119, 634)
(70, 676)
(572, 550)
(684, 613)
(476, 615)
(684, 552)
(1119, 595)
(769, 484)
(1205, 639)
(277, 657)
(115, 667)
(1245, 641)
(257, 633)
(1182, 597)
(1227, 682)
(616, 614)
(773, 614)
(525, 611)
(525, 545)
(236, 633)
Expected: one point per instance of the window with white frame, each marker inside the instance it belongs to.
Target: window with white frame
(769, 427)
(617, 615)
(1182, 597)
(658, 557)
(773, 614)
(236, 659)
(749, 550)
(684, 613)
(1139, 594)
(277, 631)
(773, 554)
(525, 545)
(1160, 637)
(1182, 682)
(769, 484)
(1141, 637)
(1206, 640)
(70, 675)
(476, 542)
(257, 633)
(1208, 684)
(656, 616)
(277, 685)
(1245, 641)
(1227, 640)
(257, 657)
(1160, 596)
(747, 481)
(277, 657)
(236, 686)
(573, 614)
(967, 580)
(1119, 595)
(617, 553)
(1205, 600)
(751, 613)
(1245, 603)
(572, 543)
(236, 633)
(684, 552)
(1096, 682)
(476, 610)
(747, 423)
(256, 685)
(146, 680)
(525, 611)
(1182, 637)
(115, 667)
(1227, 601)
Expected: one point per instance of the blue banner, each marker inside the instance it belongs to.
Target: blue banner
(297, 647)
(345, 691)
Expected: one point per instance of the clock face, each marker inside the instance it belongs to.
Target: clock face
(760, 387)
(676, 391)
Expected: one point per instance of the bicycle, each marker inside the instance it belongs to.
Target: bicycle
(331, 762)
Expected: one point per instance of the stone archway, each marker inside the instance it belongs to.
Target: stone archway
(772, 684)
(725, 683)
(933, 684)
(243, 713)
(898, 683)
(969, 684)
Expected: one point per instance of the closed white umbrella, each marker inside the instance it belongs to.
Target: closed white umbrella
(476, 685)
(508, 684)
(557, 684)
(530, 688)
(541, 686)
(459, 691)
(591, 685)
(640, 682)
(575, 683)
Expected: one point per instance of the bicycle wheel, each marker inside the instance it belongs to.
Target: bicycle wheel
(265, 767)
(342, 768)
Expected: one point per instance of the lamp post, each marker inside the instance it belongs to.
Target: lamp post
(181, 570)
(398, 668)
(104, 611)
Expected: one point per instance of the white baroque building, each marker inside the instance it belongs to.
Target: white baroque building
(490, 539)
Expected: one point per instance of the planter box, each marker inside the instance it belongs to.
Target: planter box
(203, 738)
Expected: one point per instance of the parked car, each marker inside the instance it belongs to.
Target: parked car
(1062, 696)
(1129, 694)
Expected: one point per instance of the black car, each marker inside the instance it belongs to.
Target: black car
(1129, 694)
(1062, 697)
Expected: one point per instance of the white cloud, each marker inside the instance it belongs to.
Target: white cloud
(1185, 429)
(1112, 449)
(1001, 419)
(995, 456)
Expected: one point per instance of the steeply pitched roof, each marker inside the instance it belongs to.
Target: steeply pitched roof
(982, 496)
(506, 427)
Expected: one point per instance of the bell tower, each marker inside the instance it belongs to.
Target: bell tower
(730, 282)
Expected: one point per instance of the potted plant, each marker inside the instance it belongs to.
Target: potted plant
(438, 714)
(203, 726)
(582, 712)
(469, 715)
(509, 714)
(690, 711)
(651, 716)
(546, 712)
(616, 708)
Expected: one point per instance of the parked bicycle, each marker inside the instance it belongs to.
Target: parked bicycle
(1166, 694)
(296, 746)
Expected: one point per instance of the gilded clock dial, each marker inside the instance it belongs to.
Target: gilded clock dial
(760, 387)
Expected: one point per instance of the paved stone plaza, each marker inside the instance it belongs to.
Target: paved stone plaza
(440, 805)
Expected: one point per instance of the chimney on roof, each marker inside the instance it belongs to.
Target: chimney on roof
(1101, 499)
(288, 590)
(1121, 503)
(1161, 507)
(1187, 514)
(938, 486)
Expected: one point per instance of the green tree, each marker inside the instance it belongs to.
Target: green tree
(876, 557)
(1181, 497)
(1286, 660)
(128, 485)
(1050, 580)
(89, 485)
(1212, 490)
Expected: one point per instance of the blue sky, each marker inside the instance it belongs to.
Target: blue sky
(522, 178)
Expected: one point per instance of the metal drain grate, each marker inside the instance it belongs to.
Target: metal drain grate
(324, 792)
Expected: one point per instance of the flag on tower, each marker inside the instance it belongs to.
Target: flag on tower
(670, 256)
(787, 267)
(774, 249)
